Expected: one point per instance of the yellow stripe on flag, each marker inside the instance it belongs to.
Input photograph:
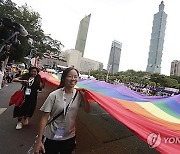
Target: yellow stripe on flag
(154, 110)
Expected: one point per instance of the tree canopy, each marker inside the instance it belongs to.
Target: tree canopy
(140, 77)
(31, 20)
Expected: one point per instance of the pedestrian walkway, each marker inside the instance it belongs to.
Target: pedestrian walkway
(97, 131)
(14, 141)
(2, 110)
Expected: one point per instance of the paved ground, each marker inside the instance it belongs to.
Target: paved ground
(97, 131)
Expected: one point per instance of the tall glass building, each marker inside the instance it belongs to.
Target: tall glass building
(114, 57)
(157, 41)
(82, 34)
(175, 68)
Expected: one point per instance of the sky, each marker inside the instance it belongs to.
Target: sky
(127, 21)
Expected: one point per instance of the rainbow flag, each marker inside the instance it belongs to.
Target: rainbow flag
(155, 119)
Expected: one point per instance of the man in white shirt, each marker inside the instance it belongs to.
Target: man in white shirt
(2, 69)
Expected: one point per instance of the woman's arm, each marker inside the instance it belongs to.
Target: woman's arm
(18, 79)
(42, 83)
(39, 145)
(85, 101)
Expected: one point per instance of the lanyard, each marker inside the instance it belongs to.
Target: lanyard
(67, 107)
(30, 81)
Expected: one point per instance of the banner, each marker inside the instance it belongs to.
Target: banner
(155, 119)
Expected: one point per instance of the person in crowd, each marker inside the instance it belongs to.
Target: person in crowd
(31, 82)
(24, 71)
(59, 135)
(18, 73)
(1, 74)
(8, 77)
(2, 70)
(13, 71)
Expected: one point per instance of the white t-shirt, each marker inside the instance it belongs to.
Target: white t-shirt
(55, 104)
(2, 74)
(2, 69)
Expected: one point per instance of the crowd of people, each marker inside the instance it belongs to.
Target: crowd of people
(150, 91)
(9, 72)
(146, 89)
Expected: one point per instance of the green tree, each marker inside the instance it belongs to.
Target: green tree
(176, 78)
(31, 20)
(131, 76)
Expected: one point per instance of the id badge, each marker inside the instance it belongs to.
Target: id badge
(59, 133)
(28, 91)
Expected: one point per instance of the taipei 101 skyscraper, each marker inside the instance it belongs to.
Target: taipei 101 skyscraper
(157, 41)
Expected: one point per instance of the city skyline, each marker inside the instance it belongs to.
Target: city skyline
(157, 41)
(128, 21)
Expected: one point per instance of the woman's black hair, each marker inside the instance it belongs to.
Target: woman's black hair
(31, 68)
(64, 74)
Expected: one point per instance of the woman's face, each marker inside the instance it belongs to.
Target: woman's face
(33, 72)
(71, 79)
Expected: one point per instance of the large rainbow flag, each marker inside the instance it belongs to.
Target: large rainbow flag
(156, 120)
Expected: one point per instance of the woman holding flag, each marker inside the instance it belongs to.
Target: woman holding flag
(59, 111)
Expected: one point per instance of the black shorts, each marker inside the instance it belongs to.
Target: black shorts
(64, 146)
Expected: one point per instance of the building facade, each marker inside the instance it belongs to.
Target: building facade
(50, 62)
(175, 68)
(101, 66)
(157, 41)
(73, 58)
(88, 65)
(82, 34)
(114, 57)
